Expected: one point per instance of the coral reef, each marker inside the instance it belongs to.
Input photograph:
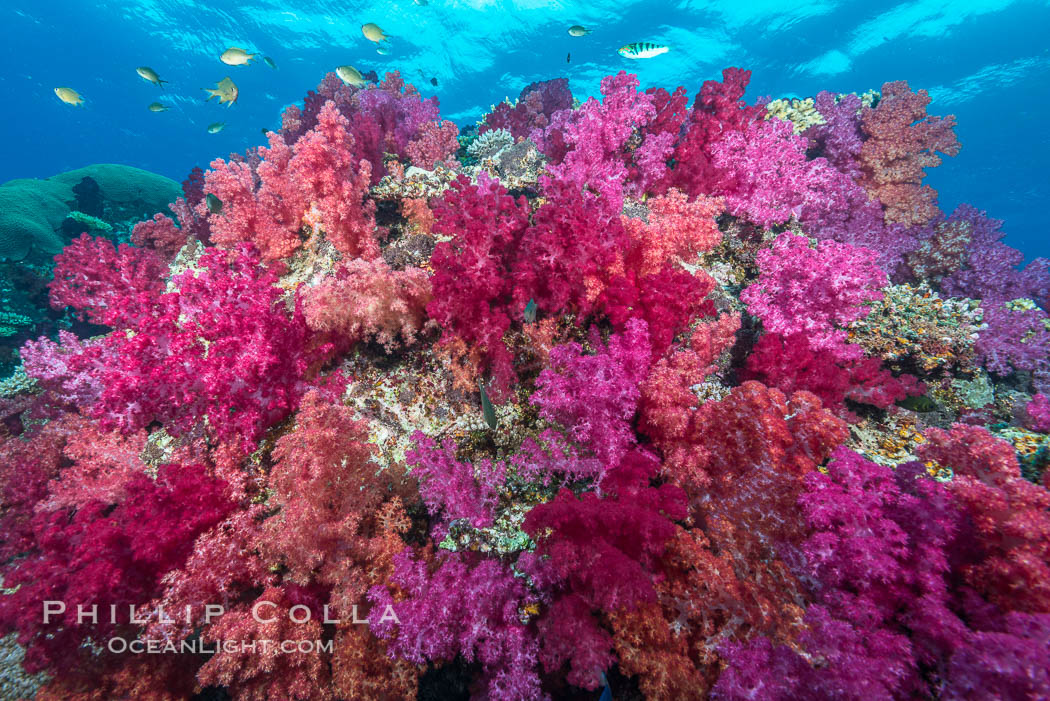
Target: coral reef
(684, 399)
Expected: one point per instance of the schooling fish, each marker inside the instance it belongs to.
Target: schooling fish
(372, 32)
(216, 127)
(147, 73)
(642, 49)
(214, 203)
(225, 90)
(383, 50)
(568, 57)
(578, 31)
(234, 56)
(269, 62)
(69, 96)
(158, 107)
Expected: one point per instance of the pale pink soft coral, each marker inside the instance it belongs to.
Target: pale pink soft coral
(677, 228)
(435, 142)
(814, 291)
(368, 300)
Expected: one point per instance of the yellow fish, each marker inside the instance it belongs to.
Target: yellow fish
(69, 96)
(147, 73)
(350, 76)
(158, 107)
(372, 32)
(578, 31)
(234, 56)
(225, 90)
(216, 127)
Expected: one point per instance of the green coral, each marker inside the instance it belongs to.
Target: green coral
(89, 221)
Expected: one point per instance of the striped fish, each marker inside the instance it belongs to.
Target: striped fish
(642, 49)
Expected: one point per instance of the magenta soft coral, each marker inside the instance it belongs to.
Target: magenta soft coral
(814, 292)
(221, 346)
(108, 285)
(532, 110)
(595, 396)
(463, 605)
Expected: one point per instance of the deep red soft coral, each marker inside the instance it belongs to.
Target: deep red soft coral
(472, 291)
(104, 553)
(717, 109)
(598, 554)
(1005, 545)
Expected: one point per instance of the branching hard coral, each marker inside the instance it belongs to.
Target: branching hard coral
(902, 141)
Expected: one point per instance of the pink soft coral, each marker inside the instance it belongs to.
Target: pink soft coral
(814, 292)
(434, 143)
(367, 300)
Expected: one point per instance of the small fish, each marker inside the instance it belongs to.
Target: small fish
(265, 131)
(530, 312)
(642, 49)
(383, 50)
(568, 57)
(69, 96)
(372, 32)
(235, 56)
(225, 90)
(421, 3)
(214, 203)
(578, 31)
(371, 76)
(486, 406)
(434, 82)
(350, 76)
(216, 127)
(269, 62)
(158, 107)
(147, 73)
(921, 404)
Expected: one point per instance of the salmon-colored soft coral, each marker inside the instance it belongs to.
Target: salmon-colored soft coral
(901, 142)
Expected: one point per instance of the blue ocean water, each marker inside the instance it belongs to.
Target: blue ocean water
(986, 61)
